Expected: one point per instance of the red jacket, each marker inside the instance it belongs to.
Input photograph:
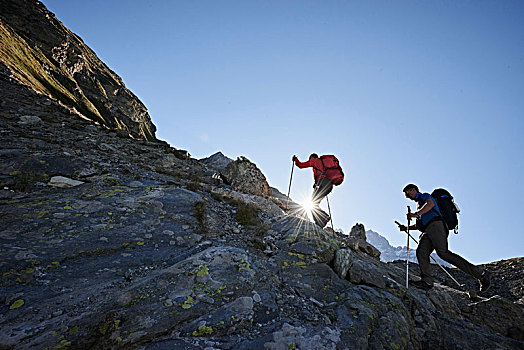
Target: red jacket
(316, 164)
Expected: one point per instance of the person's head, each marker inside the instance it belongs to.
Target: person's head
(313, 155)
(410, 191)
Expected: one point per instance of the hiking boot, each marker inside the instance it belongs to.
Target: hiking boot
(485, 281)
(421, 285)
(322, 221)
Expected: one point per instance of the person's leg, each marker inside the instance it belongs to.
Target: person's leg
(439, 236)
(424, 249)
(320, 217)
(323, 188)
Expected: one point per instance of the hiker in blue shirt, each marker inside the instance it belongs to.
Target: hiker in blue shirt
(435, 237)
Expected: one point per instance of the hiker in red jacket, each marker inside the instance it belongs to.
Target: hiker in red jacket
(326, 172)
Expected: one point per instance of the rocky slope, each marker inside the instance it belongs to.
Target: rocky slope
(147, 249)
(38, 51)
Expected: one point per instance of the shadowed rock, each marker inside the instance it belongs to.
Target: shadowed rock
(357, 241)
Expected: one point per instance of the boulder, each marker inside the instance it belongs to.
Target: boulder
(358, 231)
(245, 176)
(61, 181)
(357, 241)
(348, 265)
(368, 249)
(181, 154)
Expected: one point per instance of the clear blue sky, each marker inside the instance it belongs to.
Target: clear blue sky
(430, 92)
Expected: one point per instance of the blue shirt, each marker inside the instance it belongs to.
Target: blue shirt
(421, 198)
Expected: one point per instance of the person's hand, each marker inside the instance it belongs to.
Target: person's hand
(411, 215)
(403, 228)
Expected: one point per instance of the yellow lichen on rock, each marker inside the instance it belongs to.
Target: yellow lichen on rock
(17, 304)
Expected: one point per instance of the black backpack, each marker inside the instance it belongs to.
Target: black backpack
(448, 208)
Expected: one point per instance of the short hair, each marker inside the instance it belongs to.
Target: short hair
(409, 187)
(313, 155)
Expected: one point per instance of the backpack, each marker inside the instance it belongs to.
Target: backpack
(448, 208)
(332, 169)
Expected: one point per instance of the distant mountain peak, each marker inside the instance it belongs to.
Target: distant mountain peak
(390, 253)
(217, 161)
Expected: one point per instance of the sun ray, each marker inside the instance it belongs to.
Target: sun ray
(308, 207)
(303, 211)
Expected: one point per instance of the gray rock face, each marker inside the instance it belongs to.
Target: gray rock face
(297, 336)
(263, 204)
(244, 176)
(348, 265)
(507, 314)
(66, 70)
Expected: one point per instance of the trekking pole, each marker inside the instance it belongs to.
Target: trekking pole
(290, 179)
(431, 256)
(330, 216)
(407, 250)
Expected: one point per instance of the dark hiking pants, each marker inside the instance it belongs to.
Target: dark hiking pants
(322, 188)
(436, 238)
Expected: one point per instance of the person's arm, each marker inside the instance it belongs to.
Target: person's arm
(428, 205)
(301, 165)
(402, 227)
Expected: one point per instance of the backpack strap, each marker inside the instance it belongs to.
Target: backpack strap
(435, 203)
(323, 166)
(320, 170)
(439, 214)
